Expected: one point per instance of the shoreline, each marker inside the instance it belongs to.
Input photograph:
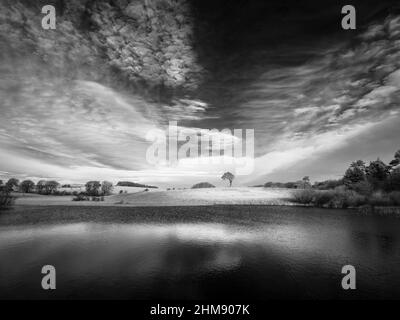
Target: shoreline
(22, 215)
(226, 214)
(186, 198)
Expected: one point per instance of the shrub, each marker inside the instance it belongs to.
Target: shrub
(362, 187)
(6, 200)
(133, 184)
(80, 197)
(338, 198)
(202, 185)
(97, 198)
(304, 196)
(380, 199)
(353, 199)
(328, 184)
(323, 198)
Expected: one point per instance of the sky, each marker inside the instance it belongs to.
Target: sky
(83, 102)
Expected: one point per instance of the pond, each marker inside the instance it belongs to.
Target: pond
(248, 252)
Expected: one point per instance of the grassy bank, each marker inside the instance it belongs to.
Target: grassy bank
(345, 198)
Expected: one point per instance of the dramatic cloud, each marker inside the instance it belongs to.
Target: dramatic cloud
(78, 102)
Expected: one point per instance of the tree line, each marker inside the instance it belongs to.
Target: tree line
(376, 184)
(375, 176)
(50, 187)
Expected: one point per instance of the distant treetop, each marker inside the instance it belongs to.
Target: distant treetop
(133, 184)
(203, 185)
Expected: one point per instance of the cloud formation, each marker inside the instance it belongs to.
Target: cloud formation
(77, 102)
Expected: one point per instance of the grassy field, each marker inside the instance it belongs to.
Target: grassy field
(185, 197)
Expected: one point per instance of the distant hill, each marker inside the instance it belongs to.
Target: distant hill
(133, 184)
(203, 185)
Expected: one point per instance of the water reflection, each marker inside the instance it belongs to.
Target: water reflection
(289, 258)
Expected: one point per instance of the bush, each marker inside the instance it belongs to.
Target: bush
(338, 198)
(304, 196)
(98, 198)
(80, 197)
(323, 198)
(133, 184)
(353, 199)
(380, 199)
(328, 184)
(202, 185)
(362, 187)
(6, 200)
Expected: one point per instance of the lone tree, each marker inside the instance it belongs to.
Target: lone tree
(228, 176)
(27, 186)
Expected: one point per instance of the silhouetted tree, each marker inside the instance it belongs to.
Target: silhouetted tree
(228, 176)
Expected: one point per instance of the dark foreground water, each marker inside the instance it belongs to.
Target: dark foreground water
(198, 252)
